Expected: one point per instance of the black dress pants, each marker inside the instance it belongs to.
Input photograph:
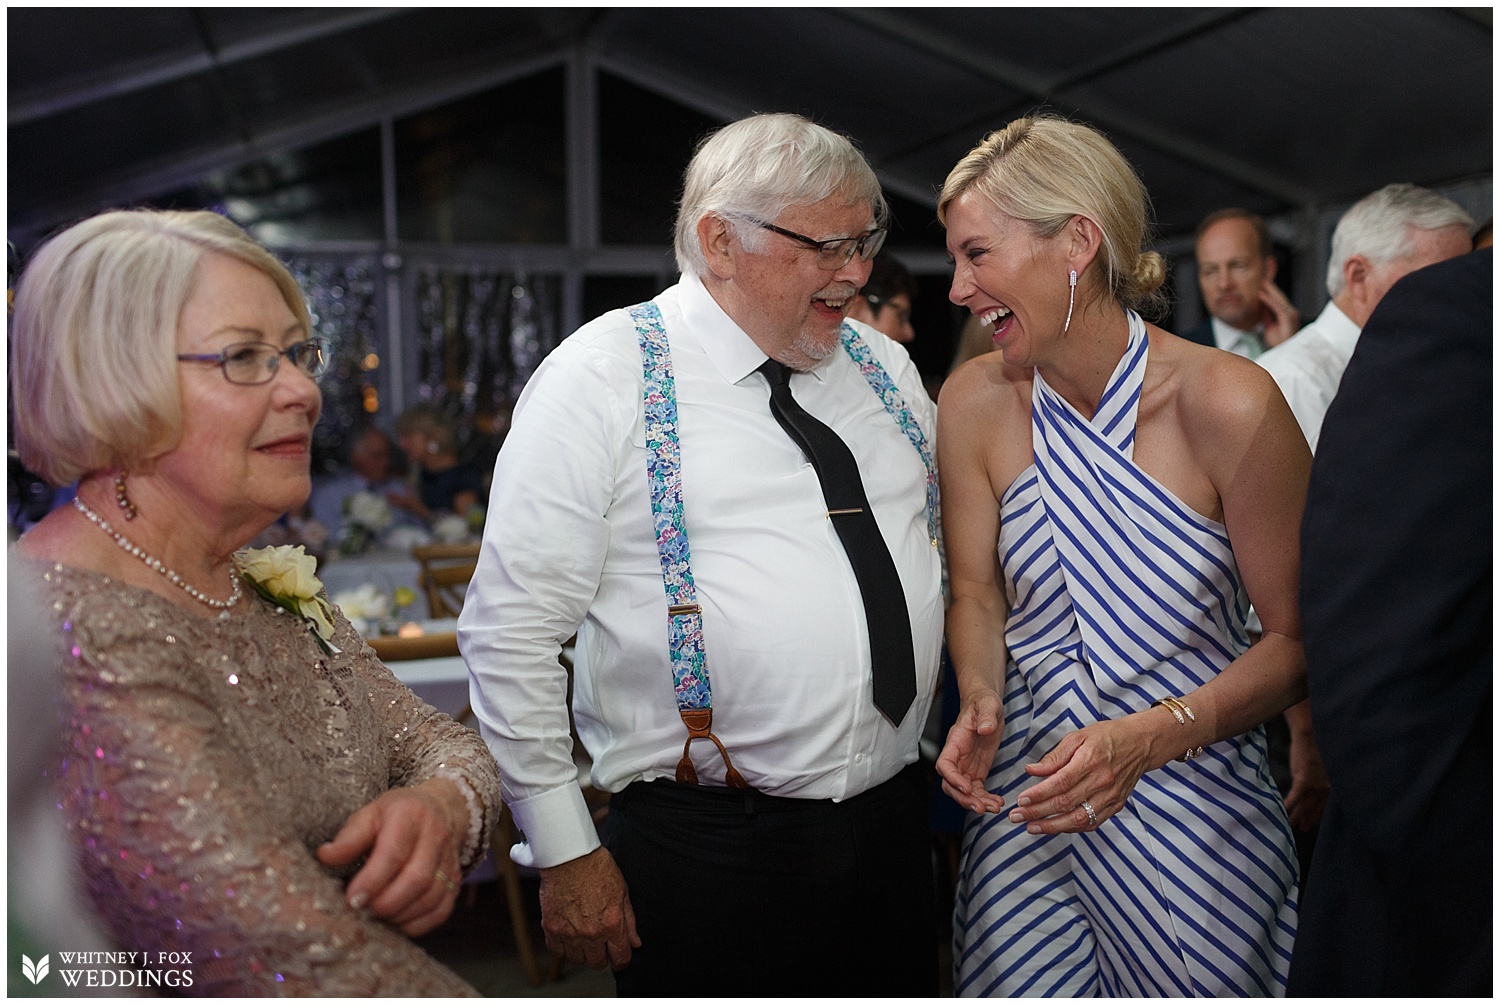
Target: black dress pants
(738, 893)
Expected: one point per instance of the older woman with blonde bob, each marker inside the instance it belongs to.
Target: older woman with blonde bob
(1113, 499)
(245, 784)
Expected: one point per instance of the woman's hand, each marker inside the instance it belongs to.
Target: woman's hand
(1098, 764)
(964, 764)
(412, 837)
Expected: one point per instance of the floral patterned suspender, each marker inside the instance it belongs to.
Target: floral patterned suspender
(890, 396)
(684, 616)
(664, 472)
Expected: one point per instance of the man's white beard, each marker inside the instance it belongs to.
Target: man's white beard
(813, 349)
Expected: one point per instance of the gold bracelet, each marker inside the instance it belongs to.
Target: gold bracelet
(1179, 705)
(1183, 714)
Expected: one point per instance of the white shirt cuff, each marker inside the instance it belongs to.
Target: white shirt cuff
(557, 826)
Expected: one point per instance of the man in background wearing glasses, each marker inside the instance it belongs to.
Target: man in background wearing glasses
(745, 545)
(884, 303)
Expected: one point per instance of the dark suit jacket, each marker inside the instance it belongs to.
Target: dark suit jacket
(1203, 334)
(1396, 618)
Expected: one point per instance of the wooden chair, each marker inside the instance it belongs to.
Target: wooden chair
(423, 647)
(446, 571)
(510, 879)
(438, 553)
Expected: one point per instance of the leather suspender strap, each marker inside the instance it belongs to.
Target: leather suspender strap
(684, 616)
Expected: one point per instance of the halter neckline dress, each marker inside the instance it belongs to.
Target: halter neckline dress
(1121, 595)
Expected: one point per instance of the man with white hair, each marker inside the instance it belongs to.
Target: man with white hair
(728, 494)
(1381, 238)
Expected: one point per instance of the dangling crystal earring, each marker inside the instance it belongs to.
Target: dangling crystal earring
(121, 499)
(1072, 285)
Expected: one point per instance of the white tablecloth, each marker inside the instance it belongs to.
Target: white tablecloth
(441, 683)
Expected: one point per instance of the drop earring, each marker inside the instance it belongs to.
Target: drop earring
(121, 499)
(1072, 285)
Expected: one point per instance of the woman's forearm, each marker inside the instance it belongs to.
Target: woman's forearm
(1268, 678)
(975, 629)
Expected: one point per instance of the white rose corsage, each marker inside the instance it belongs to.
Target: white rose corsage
(285, 575)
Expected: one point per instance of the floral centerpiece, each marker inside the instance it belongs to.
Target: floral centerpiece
(368, 605)
(450, 528)
(367, 514)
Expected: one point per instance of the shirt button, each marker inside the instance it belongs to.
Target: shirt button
(859, 758)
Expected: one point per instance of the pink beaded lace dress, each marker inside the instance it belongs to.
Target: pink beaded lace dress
(206, 759)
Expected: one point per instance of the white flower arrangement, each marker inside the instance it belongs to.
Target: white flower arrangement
(368, 605)
(450, 528)
(367, 514)
(365, 603)
(406, 538)
(287, 576)
(370, 510)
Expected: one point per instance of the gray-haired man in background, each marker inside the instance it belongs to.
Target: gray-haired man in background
(1381, 238)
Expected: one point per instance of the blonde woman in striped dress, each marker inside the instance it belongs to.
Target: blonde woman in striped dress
(1114, 497)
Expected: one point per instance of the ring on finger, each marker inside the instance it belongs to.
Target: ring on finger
(1089, 809)
(442, 877)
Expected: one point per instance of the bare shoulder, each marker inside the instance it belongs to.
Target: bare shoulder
(1218, 395)
(984, 386)
(984, 424)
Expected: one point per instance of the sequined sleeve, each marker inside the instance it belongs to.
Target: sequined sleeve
(202, 766)
(428, 744)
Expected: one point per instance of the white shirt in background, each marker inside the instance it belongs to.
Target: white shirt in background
(1309, 365)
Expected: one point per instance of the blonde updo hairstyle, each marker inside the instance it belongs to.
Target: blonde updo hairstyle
(1045, 170)
(94, 378)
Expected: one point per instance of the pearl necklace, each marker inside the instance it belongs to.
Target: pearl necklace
(222, 606)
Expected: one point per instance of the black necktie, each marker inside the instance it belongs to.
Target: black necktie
(893, 668)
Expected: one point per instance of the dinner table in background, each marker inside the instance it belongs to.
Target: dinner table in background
(386, 570)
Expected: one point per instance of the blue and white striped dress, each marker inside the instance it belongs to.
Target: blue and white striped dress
(1121, 595)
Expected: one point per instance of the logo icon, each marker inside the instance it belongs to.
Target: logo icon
(34, 971)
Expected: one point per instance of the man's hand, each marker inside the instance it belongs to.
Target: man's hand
(1309, 795)
(586, 912)
(1282, 320)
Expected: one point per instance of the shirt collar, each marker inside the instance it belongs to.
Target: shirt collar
(1226, 336)
(1335, 324)
(733, 353)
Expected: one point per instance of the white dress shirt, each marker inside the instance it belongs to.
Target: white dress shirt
(1229, 338)
(1309, 365)
(570, 545)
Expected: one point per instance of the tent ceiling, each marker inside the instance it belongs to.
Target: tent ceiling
(1272, 109)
